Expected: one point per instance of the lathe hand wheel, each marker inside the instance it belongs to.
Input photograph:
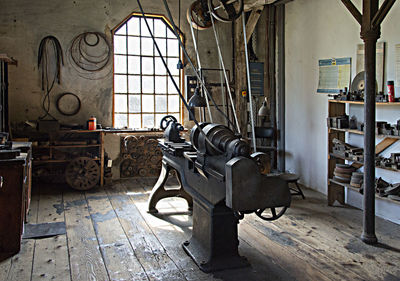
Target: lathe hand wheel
(165, 121)
(198, 14)
(226, 10)
(273, 215)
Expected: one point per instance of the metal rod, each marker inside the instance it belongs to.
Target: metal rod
(281, 87)
(226, 78)
(191, 63)
(249, 84)
(199, 66)
(173, 81)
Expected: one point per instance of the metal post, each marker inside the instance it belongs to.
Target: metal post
(370, 36)
(281, 88)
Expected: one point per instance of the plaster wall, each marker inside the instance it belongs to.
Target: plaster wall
(24, 23)
(323, 29)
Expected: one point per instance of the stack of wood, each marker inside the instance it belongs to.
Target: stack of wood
(357, 179)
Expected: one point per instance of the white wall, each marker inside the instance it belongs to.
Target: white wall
(321, 29)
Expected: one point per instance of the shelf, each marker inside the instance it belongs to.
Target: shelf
(361, 132)
(344, 158)
(347, 185)
(361, 102)
(58, 161)
(68, 146)
(361, 163)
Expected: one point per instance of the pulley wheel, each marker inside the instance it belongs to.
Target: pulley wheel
(199, 15)
(127, 168)
(82, 173)
(226, 10)
(271, 214)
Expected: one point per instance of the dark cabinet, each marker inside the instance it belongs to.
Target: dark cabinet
(15, 192)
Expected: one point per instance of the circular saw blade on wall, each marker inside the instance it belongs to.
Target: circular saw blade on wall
(358, 83)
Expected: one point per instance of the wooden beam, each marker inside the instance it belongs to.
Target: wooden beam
(252, 21)
(353, 10)
(253, 4)
(382, 12)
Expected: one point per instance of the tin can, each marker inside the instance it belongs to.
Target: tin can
(92, 123)
(390, 85)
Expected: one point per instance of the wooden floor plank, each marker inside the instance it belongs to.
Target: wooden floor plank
(336, 239)
(118, 255)
(149, 251)
(21, 264)
(86, 261)
(51, 254)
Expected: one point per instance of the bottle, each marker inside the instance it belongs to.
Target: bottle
(92, 123)
(390, 85)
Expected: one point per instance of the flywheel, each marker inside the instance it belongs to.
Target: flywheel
(82, 173)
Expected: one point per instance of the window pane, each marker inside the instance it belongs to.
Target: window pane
(158, 120)
(159, 28)
(173, 66)
(159, 67)
(133, 26)
(119, 44)
(120, 64)
(170, 33)
(133, 45)
(134, 121)
(133, 84)
(134, 65)
(134, 104)
(148, 84)
(120, 120)
(161, 103)
(173, 48)
(144, 29)
(162, 45)
(147, 66)
(173, 103)
(120, 83)
(161, 85)
(148, 103)
(147, 46)
(148, 120)
(121, 30)
(121, 103)
(171, 87)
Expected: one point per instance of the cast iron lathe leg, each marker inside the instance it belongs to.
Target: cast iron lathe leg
(159, 192)
(214, 243)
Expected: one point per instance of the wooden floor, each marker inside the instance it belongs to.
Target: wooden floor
(110, 236)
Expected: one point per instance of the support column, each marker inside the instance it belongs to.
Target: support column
(370, 36)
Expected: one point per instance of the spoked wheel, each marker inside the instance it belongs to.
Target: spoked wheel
(199, 15)
(82, 173)
(226, 10)
(165, 121)
(272, 213)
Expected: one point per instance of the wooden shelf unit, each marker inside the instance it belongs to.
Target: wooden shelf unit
(338, 108)
(97, 135)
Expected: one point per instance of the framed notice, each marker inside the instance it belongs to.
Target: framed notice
(334, 75)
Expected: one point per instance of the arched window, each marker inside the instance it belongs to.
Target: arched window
(143, 92)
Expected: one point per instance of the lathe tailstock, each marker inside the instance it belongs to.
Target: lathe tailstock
(216, 169)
